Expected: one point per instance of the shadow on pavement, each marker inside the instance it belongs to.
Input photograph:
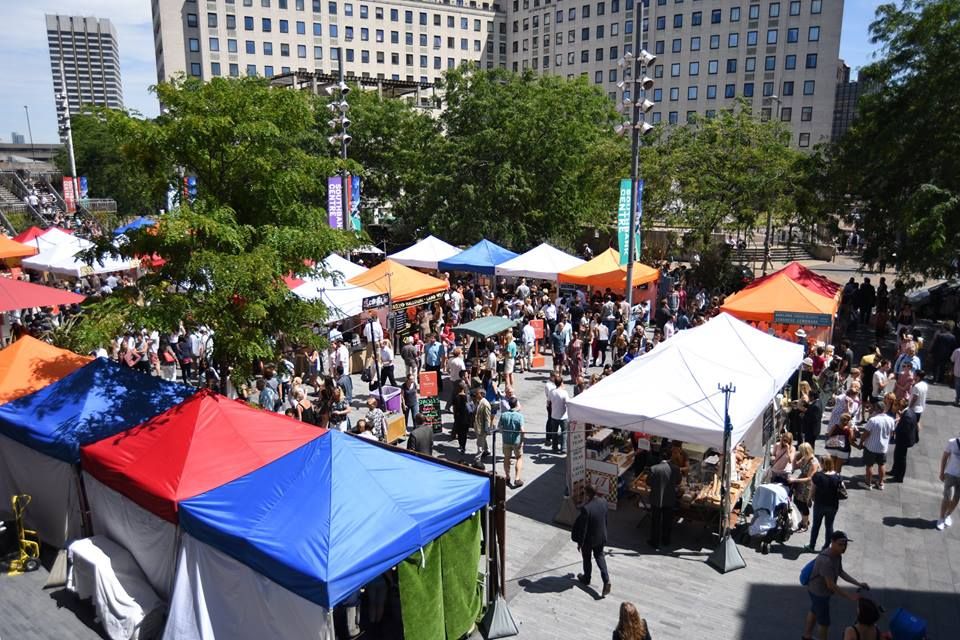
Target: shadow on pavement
(910, 523)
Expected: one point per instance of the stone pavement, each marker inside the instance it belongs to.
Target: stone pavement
(896, 549)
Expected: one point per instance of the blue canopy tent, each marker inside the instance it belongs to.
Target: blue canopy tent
(482, 257)
(329, 517)
(139, 223)
(41, 435)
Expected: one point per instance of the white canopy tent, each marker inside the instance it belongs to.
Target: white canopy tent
(62, 260)
(673, 391)
(341, 299)
(543, 262)
(426, 253)
(54, 237)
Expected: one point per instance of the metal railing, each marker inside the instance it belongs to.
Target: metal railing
(15, 185)
(108, 205)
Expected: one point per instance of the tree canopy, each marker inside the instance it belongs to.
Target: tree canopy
(899, 164)
(722, 172)
(257, 216)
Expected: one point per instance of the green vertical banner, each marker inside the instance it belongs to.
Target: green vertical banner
(623, 219)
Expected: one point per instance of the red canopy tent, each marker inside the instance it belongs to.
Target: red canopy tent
(804, 277)
(30, 234)
(17, 294)
(198, 445)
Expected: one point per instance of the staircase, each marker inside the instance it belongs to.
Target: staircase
(778, 253)
(7, 199)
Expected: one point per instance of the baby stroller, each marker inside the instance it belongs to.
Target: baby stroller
(774, 516)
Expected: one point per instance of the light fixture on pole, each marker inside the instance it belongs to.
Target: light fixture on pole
(63, 119)
(635, 62)
(340, 138)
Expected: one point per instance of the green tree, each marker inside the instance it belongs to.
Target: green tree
(257, 217)
(521, 159)
(99, 157)
(720, 173)
(899, 164)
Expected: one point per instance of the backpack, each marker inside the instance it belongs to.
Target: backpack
(807, 572)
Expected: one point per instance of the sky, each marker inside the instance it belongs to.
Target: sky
(25, 77)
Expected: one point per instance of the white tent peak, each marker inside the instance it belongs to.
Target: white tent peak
(426, 253)
(543, 262)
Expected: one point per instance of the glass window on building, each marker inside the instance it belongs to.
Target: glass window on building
(658, 95)
(284, 26)
(251, 69)
(195, 69)
(795, 7)
(751, 38)
(771, 36)
(676, 46)
(231, 22)
(806, 114)
(793, 34)
(674, 94)
(754, 12)
(816, 6)
(301, 51)
(716, 16)
(767, 89)
(729, 90)
(790, 62)
(811, 61)
(266, 25)
(268, 71)
(734, 14)
(804, 140)
(301, 28)
(194, 44)
(813, 34)
(215, 44)
(268, 48)
(713, 67)
(733, 40)
(212, 23)
(786, 113)
(715, 41)
(711, 92)
(750, 64)
(678, 21)
(696, 18)
(234, 70)
(731, 65)
(809, 86)
(770, 63)
(658, 47)
(692, 93)
(661, 23)
(231, 45)
(748, 89)
(317, 29)
(673, 117)
(695, 43)
(658, 71)
(774, 11)
(787, 88)
(675, 70)
(192, 22)
(248, 26)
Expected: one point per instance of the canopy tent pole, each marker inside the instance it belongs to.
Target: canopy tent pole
(726, 557)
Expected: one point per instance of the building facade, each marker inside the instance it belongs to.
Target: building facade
(395, 40)
(781, 56)
(16, 138)
(84, 52)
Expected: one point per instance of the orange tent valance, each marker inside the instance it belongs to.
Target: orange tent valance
(401, 282)
(605, 271)
(778, 292)
(29, 365)
(13, 249)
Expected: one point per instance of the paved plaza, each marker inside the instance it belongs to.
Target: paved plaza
(896, 549)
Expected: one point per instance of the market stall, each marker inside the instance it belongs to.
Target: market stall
(135, 479)
(62, 260)
(407, 289)
(342, 300)
(10, 248)
(787, 300)
(301, 534)
(481, 258)
(543, 262)
(425, 254)
(29, 365)
(605, 272)
(672, 394)
(41, 435)
(45, 239)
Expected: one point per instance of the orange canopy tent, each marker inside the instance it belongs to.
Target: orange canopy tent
(778, 293)
(605, 271)
(29, 365)
(13, 249)
(803, 276)
(401, 282)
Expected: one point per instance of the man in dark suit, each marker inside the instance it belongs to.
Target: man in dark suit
(663, 480)
(592, 537)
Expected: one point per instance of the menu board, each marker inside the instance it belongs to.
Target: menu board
(576, 460)
(430, 410)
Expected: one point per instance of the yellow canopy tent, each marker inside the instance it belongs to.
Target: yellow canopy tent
(605, 271)
(29, 365)
(402, 283)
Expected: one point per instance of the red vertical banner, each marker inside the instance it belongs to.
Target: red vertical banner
(69, 195)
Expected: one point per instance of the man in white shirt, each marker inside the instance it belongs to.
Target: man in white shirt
(881, 378)
(548, 388)
(558, 413)
(341, 356)
(112, 281)
(529, 337)
(876, 440)
(950, 477)
(918, 395)
(373, 334)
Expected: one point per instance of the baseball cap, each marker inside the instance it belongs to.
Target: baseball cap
(808, 362)
(840, 535)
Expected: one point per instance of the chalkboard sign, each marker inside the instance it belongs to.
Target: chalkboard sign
(400, 326)
(430, 410)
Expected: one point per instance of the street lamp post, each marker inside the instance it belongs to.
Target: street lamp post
(766, 235)
(637, 63)
(33, 150)
(340, 123)
(65, 127)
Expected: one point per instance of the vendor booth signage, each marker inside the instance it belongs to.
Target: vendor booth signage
(375, 302)
(576, 460)
(416, 302)
(807, 319)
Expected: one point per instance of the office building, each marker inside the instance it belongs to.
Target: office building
(84, 51)
(16, 138)
(847, 100)
(395, 40)
(780, 56)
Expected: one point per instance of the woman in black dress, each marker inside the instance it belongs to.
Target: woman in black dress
(461, 416)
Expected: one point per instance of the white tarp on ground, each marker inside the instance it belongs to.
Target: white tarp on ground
(151, 540)
(342, 300)
(673, 391)
(543, 262)
(425, 254)
(62, 260)
(217, 597)
(103, 571)
(54, 510)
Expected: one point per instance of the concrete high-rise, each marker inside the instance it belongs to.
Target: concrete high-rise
(84, 52)
(780, 56)
(406, 40)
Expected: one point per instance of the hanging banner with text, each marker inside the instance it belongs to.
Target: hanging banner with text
(335, 202)
(355, 203)
(84, 188)
(623, 219)
(69, 194)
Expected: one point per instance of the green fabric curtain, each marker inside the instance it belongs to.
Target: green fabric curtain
(441, 597)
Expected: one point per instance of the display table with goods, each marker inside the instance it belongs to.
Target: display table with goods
(609, 455)
(699, 494)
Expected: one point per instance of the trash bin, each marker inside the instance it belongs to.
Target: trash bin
(391, 398)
